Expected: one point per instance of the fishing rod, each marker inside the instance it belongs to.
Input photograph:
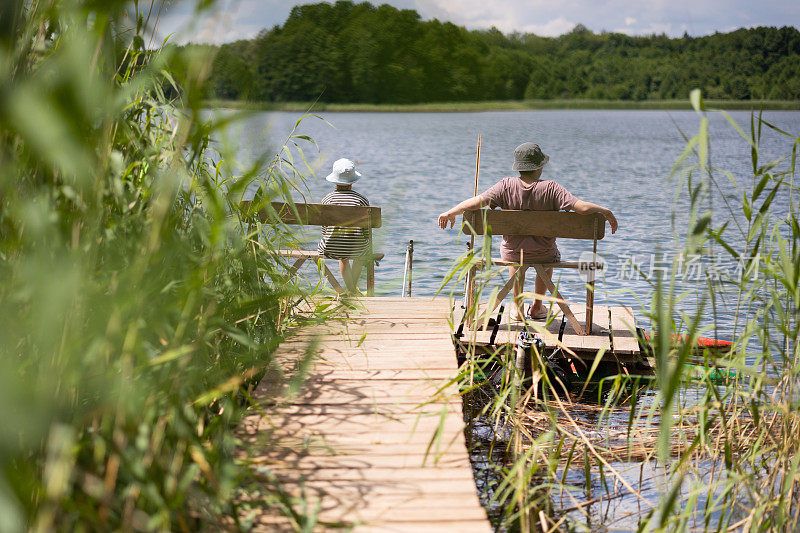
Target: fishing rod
(470, 281)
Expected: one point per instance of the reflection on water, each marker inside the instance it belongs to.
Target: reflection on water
(417, 165)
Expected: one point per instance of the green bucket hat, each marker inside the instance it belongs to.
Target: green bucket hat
(528, 156)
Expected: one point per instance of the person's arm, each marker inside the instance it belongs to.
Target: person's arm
(587, 208)
(470, 204)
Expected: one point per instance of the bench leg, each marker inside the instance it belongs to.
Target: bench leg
(370, 276)
(331, 278)
(471, 287)
(520, 274)
(548, 282)
(296, 266)
(589, 305)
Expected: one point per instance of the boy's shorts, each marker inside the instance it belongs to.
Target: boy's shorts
(531, 256)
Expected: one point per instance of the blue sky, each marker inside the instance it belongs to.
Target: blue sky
(230, 20)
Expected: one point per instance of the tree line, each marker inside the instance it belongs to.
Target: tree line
(348, 52)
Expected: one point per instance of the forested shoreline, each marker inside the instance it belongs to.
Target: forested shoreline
(361, 53)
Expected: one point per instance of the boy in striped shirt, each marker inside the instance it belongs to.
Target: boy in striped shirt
(342, 243)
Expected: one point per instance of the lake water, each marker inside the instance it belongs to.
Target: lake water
(416, 165)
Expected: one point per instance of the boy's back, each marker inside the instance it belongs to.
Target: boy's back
(539, 195)
(339, 242)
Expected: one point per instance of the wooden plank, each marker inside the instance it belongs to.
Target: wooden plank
(461, 525)
(385, 326)
(396, 374)
(350, 354)
(377, 474)
(314, 254)
(381, 363)
(417, 511)
(563, 224)
(299, 254)
(623, 325)
(303, 340)
(354, 391)
(389, 434)
(320, 214)
(429, 324)
(361, 460)
(355, 415)
(315, 446)
(561, 264)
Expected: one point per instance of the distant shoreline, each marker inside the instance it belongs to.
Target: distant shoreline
(504, 105)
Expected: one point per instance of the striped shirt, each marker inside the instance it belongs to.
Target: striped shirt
(344, 243)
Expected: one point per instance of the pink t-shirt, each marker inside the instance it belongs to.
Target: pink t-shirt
(541, 195)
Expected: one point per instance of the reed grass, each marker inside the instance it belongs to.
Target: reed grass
(138, 304)
(726, 452)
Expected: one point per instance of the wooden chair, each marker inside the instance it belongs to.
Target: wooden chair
(565, 225)
(367, 217)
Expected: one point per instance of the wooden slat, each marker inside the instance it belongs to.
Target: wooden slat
(541, 223)
(624, 326)
(323, 214)
(496, 261)
(377, 474)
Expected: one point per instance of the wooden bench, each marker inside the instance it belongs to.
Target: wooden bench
(561, 224)
(367, 217)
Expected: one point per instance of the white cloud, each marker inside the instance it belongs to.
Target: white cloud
(629, 21)
(552, 28)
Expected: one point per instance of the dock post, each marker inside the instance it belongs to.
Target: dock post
(590, 283)
(407, 271)
(370, 261)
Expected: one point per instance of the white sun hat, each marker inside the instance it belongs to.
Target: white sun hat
(344, 172)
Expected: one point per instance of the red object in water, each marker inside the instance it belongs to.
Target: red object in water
(712, 343)
(702, 342)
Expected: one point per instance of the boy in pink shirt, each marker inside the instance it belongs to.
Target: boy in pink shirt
(528, 192)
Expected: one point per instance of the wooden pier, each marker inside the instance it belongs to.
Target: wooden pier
(377, 430)
(375, 437)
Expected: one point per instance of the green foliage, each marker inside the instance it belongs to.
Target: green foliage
(134, 311)
(359, 53)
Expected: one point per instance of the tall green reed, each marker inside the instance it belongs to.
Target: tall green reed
(135, 310)
(742, 433)
(725, 452)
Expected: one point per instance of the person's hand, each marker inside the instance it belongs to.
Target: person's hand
(612, 220)
(446, 217)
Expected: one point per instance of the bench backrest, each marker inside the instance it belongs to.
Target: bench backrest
(563, 224)
(323, 214)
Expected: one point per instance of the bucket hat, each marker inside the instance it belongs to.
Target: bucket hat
(528, 156)
(344, 172)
